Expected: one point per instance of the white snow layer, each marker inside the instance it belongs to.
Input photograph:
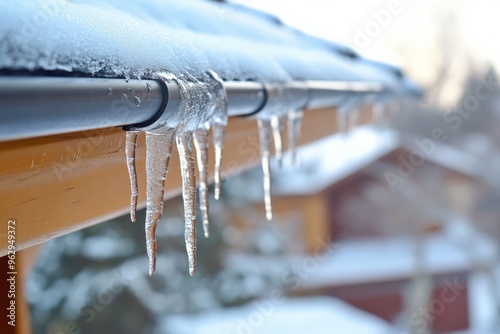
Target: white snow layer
(279, 315)
(318, 171)
(374, 260)
(139, 38)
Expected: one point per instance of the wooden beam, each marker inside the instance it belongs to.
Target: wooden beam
(58, 184)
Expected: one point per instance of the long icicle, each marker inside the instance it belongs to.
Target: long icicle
(265, 132)
(378, 113)
(188, 195)
(277, 129)
(353, 119)
(218, 133)
(219, 123)
(201, 145)
(349, 106)
(130, 148)
(343, 119)
(293, 127)
(159, 145)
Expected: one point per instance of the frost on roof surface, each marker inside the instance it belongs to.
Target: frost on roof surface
(124, 38)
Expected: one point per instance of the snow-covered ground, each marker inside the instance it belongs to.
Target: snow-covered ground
(318, 315)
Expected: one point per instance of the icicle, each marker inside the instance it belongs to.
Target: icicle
(353, 119)
(201, 144)
(378, 113)
(159, 145)
(394, 109)
(192, 111)
(219, 123)
(209, 99)
(218, 133)
(277, 128)
(130, 148)
(293, 127)
(202, 104)
(342, 119)
(349, 106)
(188, 195)
(265, 131)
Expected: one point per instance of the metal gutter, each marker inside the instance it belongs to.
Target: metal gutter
(39, 106)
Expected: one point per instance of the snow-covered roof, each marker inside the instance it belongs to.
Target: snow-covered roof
(316, 315)
(136, 39)
(455, 160)
(378, 259)
(330, 160)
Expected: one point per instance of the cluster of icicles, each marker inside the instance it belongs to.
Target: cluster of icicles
(203, 108)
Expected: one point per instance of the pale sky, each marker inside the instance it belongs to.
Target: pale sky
(422, 36)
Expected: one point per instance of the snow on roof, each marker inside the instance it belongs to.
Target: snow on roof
(455, 160)
(376, 260)
(136, 39)
(330, 160)
(292, 316)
